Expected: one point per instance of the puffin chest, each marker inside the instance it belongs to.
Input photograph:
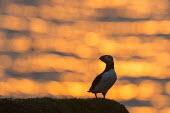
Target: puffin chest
(109, 75)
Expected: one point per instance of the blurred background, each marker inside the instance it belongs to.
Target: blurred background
(51, 48)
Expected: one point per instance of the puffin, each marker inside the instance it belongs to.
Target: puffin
(104, 81)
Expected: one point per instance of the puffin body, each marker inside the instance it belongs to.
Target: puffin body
(103, 82)
(106, 82)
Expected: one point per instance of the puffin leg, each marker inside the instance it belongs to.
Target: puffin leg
(96, 95)
(104, 94)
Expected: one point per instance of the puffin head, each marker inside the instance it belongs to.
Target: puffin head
(107, 59)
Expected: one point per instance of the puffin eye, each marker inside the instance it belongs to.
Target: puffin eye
(109, 57)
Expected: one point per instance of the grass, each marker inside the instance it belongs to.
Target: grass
(53, 105)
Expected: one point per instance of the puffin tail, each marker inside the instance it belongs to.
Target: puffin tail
(91, 89)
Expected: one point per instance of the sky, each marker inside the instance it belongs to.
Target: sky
(52, 48)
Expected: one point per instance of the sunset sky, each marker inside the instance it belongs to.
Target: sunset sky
(51, 48)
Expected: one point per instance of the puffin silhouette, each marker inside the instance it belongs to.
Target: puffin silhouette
(104, 81)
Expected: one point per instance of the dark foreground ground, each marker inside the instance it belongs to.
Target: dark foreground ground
(52, 105)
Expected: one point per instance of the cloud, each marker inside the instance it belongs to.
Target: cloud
(132, 8)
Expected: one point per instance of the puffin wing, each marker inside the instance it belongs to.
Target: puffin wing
(95, 82)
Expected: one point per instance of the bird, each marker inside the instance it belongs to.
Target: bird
(104, 81)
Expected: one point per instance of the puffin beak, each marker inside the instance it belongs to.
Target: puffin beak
(102, 58)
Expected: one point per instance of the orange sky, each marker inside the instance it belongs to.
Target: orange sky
(52, 48)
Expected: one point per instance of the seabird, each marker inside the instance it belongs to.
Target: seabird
(104, 81)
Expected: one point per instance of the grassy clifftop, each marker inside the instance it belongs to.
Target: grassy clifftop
(52, 105)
